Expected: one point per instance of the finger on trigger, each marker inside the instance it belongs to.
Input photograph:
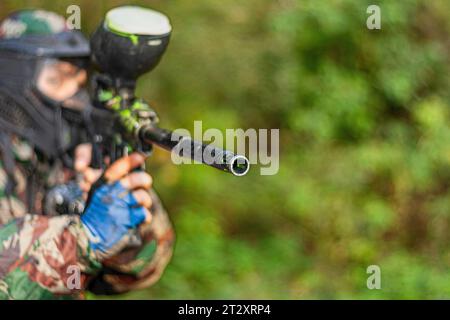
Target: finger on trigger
(137, 180)
(91, 175)
(123, 166)
(83, 157)
(143, 198)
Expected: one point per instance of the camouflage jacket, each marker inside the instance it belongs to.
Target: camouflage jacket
(43, 257)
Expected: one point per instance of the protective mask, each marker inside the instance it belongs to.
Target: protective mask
(51, 126)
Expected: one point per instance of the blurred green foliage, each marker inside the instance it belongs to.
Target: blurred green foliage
(365, 146)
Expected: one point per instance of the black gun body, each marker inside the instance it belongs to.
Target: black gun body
(107, 122)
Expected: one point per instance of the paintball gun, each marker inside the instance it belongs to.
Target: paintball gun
(129, 43)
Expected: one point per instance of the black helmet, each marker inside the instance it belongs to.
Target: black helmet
(30, 40)
(43, 34)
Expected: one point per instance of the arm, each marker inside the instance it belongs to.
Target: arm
(137, 267)
(41, 257)
(38, 254)
(140, 267)
(44, 258)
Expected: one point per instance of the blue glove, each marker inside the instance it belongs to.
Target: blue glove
(111, 215)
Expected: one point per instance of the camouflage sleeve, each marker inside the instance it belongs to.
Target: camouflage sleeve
(40, 257)
(137, 268)
(44, 258)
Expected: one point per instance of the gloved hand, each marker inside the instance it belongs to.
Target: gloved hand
(64, 199)
(118, 203)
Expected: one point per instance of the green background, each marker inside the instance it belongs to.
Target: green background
(365, 146)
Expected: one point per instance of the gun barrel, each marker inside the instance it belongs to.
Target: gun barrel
(198, 151)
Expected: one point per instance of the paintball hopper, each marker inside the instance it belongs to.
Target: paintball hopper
(130, 42)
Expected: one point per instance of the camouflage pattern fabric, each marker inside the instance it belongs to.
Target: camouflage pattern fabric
(38, 252)
(31, 22)
(138, 268)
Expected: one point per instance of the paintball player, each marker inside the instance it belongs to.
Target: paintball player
(43, 70)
